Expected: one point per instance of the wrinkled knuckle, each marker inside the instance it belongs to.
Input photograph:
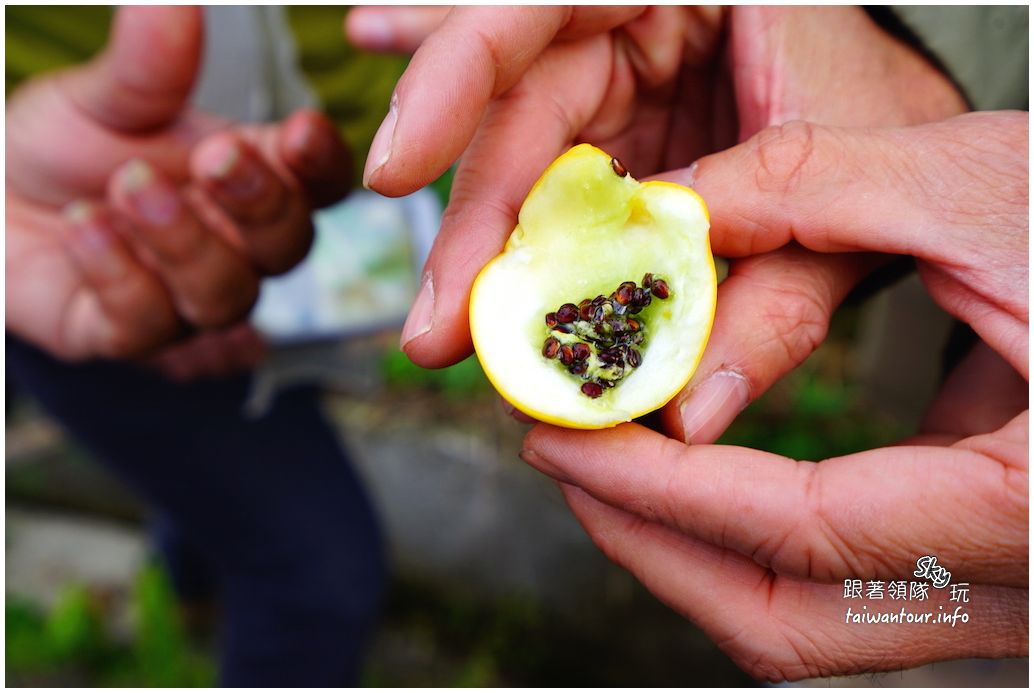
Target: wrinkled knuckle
(784, 152)
(799, 321)
(830, 549)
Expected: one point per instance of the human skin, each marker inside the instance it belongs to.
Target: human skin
(754, 547)
(134, 221)
(658, 87)
(748, 545)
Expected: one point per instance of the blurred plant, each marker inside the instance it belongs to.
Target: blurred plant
(459, 382)
(73, 642)
(812, 416)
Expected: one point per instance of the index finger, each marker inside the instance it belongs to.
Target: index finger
(475, 55)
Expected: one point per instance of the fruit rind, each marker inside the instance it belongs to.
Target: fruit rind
(495, 297)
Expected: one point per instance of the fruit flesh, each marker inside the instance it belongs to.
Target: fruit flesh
(583, 230)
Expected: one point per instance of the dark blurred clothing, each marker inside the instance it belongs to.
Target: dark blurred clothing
(267, 511)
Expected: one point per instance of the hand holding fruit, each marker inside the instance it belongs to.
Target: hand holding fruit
(754, 547)
(745, 543)
(171, 216)
(655, 87)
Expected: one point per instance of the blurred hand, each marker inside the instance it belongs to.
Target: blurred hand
(132, 218)
(658, 87)
(212, 354)
(746, 543)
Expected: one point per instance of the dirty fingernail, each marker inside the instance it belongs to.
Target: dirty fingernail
(224, 160)
(380, 149)
(421, 314)
(691, 174)
(153, 199)
(712, 406)
(90, 241)
(237, 173)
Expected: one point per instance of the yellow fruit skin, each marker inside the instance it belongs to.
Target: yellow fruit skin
(500, 386)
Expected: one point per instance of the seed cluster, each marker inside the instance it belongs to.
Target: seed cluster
(597, 339)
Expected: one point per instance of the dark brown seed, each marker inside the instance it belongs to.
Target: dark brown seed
(659, 287)
(550, 348)
(566, 329)
(593, 390)
(633, 325)
(618, 167)
(578, 368)
(585, 310)
(625, 293)
(567, 313)
(612, 356)
(551, 319)
(566, 355)
(598, 301)
(647, 280)
(606, 383)
(634, 358)
(581, 351)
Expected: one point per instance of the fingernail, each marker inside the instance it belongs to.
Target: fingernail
(237, 173)
(543, 465)
(154, 200)
(380, 149)
(712, 406)
(225, 161)
(373, 30)
(516, 413)
(691, 175)
(421, 314)
(90, 241)
(316, 147)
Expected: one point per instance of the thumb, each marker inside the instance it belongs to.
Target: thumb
(145, 74)
(920, 190)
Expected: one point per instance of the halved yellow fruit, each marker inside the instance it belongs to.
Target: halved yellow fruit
(586, 228)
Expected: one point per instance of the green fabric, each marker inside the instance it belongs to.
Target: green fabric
(984, 48)
(42, 38)
(353, 87)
